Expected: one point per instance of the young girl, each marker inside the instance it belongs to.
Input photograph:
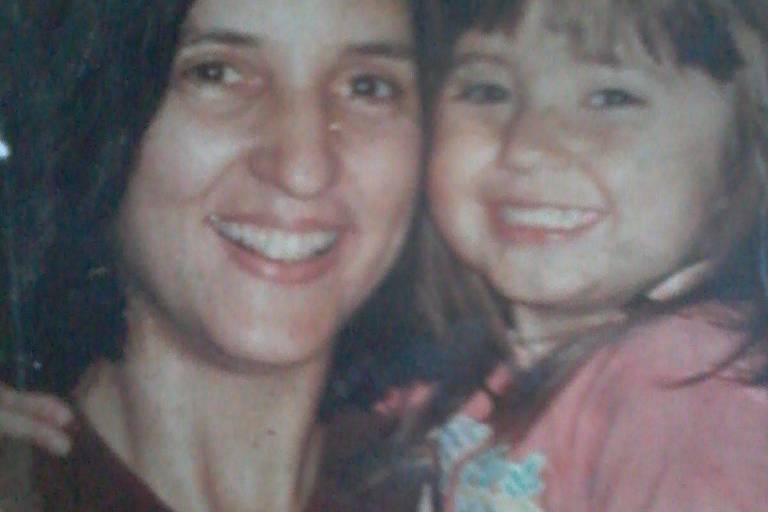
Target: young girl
(601, 165)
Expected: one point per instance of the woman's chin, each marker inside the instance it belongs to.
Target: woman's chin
(272, 348)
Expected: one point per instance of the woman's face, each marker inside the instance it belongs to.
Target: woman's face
(275, 185)
(574, 182)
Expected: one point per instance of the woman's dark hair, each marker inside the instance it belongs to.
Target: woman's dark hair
(86, 78)
(387, 343)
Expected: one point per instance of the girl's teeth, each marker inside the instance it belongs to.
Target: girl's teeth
(548, 218)
(276, 244)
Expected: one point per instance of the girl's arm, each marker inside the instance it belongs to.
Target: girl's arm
(35, 417)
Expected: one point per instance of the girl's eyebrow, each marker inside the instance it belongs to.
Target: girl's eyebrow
(479, 57)
(603, 59)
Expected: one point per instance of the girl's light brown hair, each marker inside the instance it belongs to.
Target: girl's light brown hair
(724, 39)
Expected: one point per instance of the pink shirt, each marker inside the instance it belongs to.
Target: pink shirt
(617, 439)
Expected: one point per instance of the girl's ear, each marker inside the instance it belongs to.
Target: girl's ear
(682, 281)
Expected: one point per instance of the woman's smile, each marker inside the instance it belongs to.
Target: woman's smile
(279, 250)
(279, 174)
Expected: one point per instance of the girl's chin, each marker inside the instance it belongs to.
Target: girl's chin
(544, 293)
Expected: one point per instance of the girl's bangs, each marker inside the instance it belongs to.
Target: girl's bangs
(696, 34)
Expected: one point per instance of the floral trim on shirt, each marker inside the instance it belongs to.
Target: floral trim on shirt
(488, 481)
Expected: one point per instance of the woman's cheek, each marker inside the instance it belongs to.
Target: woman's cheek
(185, 153)
(387, 161)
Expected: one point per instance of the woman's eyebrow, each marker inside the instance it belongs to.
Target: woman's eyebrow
(192, 37)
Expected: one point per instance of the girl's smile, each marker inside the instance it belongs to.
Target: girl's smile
(526, 222)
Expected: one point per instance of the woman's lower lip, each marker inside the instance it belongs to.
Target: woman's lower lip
(282, 272)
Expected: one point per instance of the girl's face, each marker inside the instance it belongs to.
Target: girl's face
(275, 185)
(574, 183)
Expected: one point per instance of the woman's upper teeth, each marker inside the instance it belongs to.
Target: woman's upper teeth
(277, 244)
(547, 217)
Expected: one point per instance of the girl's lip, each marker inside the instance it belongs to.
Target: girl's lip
(528, 222)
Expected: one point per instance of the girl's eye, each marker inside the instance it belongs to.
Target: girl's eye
(610, 98)
(374, 88)
(484, 93)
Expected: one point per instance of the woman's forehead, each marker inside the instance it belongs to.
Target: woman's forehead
(316, 21)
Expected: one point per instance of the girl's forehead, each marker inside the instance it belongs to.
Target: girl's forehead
(698, 34)
(542, 30)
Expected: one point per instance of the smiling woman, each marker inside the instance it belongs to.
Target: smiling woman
(208, 223)
(279, 217)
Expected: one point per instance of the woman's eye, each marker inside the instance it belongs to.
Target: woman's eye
(613, 98)
(374, 88)
(485, 92)
(214, 73)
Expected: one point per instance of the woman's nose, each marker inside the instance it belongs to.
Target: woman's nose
(302, 151)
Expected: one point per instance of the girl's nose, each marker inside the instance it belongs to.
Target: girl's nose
(535, 141)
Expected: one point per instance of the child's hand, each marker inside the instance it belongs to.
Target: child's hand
(35, 417)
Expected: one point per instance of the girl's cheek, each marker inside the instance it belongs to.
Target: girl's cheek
(594, 138)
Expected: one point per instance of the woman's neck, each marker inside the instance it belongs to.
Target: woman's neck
(206, 439)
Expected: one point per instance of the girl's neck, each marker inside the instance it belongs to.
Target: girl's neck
(206, 439)
(540, 330)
